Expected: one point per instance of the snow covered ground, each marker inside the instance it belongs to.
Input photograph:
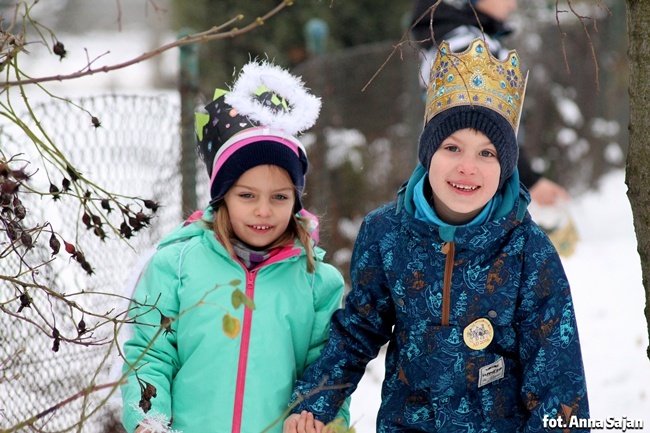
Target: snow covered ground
(605, 277)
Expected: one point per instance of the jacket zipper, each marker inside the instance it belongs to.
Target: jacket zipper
(448, 250)
(243, 354)
(246, 336)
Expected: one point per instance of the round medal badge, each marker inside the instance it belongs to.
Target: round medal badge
(479, 334)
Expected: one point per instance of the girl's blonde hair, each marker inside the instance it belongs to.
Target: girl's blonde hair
(297, 228)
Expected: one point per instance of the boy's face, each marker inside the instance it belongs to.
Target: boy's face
(500, 10)
(464, 175)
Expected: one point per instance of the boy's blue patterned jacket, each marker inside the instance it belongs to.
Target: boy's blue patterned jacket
(506, 271)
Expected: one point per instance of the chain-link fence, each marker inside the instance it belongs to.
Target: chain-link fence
(134, 152)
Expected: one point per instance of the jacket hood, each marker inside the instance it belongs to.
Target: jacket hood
(447, 17)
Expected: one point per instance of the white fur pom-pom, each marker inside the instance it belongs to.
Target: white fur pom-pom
(304, 108)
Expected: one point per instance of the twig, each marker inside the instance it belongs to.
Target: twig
(209, 35)
(84, 392)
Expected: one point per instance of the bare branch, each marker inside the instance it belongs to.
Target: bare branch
(584, 23)
(83, 393)
(212, 34)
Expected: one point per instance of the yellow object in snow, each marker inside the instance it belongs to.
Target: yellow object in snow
(564, 238)
(557, 223)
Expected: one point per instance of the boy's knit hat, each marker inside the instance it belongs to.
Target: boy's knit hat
(474, 90)
(256, 123)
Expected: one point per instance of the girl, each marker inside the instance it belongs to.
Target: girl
(236, 302)
(466, 288)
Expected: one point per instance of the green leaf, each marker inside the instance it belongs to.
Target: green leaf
(239, 297)
(234, 283)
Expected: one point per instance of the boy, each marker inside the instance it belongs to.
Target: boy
(459, 22)
(468, 290)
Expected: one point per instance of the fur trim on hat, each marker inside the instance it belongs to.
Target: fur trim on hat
(304, 107)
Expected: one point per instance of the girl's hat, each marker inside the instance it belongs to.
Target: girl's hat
(256, 123)
(474, 90)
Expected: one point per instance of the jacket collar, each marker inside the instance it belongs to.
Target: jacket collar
(504, 220)
(200, 224)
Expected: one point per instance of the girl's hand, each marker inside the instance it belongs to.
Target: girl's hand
(303, 423)
(290, 424)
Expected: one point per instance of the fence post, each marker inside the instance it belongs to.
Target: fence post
(188, 88)
(316, 35)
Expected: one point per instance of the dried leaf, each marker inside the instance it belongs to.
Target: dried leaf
(231, 326)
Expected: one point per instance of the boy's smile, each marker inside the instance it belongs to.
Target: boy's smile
(464, 175)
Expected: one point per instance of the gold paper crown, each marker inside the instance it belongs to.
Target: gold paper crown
(475, 77)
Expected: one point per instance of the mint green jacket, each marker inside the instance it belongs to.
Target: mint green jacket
(206, 380)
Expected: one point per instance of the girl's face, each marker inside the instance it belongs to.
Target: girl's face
(498, 9)
(260, 205)
(464, 175)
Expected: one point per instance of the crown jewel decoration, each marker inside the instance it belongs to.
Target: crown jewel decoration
(475, 77)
